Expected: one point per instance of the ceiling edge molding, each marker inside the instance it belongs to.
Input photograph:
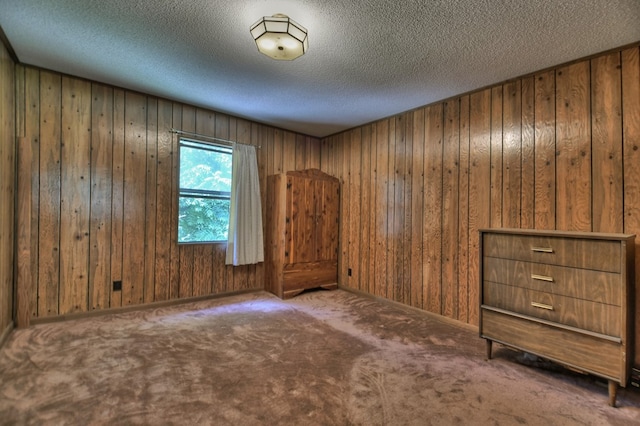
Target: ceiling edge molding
(7, 45)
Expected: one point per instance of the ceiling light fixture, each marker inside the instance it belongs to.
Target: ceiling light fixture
(279, 37)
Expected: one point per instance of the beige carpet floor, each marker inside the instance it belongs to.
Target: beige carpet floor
(322, 358)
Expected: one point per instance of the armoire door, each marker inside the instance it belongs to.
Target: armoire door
(327, 203)
(312, 219)
(301, 220)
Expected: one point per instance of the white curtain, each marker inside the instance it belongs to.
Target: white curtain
(245, 242)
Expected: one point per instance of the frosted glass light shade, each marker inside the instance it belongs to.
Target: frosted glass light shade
(279, 37)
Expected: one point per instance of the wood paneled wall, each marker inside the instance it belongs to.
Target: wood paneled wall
(556, 150)
(104, 195)
(7, 190)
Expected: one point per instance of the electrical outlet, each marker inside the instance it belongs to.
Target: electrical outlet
(349, 271)
(117, 285)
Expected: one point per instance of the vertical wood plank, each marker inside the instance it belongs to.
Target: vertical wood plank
(511, 155)
(117, 197)
(399, 207)
(186, 270)
(527, 211)
(271, 151)
(313, 153)
(417, 205)
(12, 117)
(289, 151)
(336, 142)
(382, 205)
(49, 193)
(300, 152)
(134, 200)
(334, 155)
(463, 214)
(631, 149)
(545, 150)
(479, 187)
(392, 236)
(344, 158)
(101, 205)
(23, 235)
(164, 203)
(606, 143)
(432, 234)
(354, 170)
(496, 156)
(366, 208)
(450, 224)
(325, 155)
(407, 140)
(373, 208)
(573, 161)
(33, 135)
(149, 282)
(75, 195)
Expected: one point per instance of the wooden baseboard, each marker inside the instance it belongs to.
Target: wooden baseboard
(123, 309)
(411, 308)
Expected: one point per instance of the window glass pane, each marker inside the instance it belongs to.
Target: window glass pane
(203, 219)
(204, 197)
(205, 169)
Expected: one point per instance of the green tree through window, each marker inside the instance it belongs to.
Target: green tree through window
(205, 192)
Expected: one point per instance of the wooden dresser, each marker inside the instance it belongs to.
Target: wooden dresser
(301, 232)
(564, 296)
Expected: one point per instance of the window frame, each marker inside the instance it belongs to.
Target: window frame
(194, 143)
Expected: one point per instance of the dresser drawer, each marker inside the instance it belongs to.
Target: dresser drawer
(587, 284)
(574, 312)
(600, 255)
(579, 350)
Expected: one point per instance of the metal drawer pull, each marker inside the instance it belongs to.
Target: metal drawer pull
(542, 306)
(541, 278)
(542, 249)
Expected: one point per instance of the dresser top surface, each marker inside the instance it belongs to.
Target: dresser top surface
(557, 233)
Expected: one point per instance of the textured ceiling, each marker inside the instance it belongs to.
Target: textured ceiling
(367, 59)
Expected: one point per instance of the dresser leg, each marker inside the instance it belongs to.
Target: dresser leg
(613, 389)
(489, 342)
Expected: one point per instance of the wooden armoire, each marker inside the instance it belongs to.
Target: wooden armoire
(301, 232)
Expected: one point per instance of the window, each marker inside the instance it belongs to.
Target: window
(205, 192)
